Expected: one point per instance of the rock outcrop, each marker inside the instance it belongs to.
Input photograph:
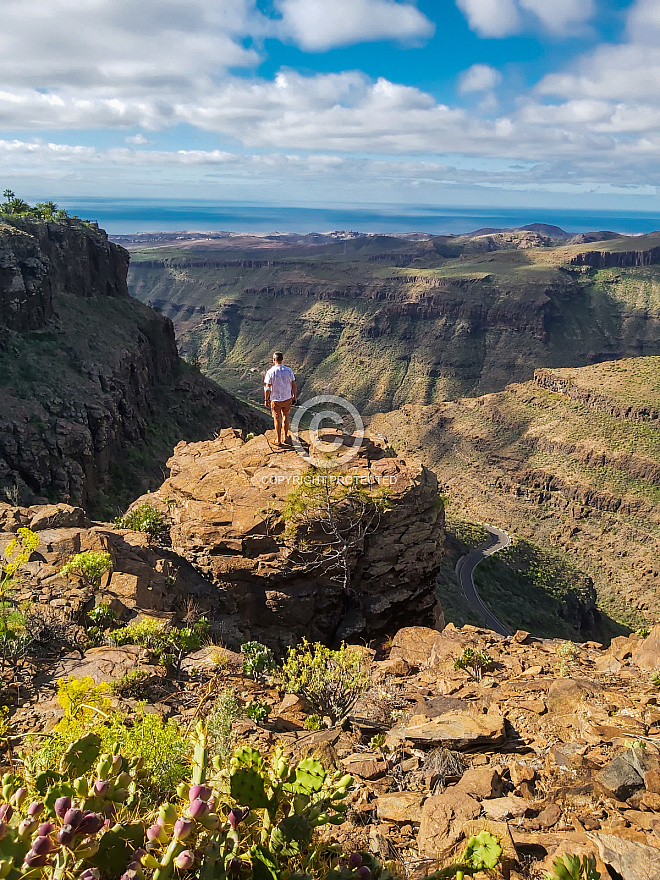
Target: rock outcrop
(226, 499)
(94, 394)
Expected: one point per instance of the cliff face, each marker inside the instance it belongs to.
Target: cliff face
(226, 501)
(40, 260)
(93, 391)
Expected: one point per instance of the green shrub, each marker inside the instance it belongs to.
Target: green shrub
(313, 722)
(222, 739)
(258, 711)
(90, 566)
(568, 651)
(258, 819)
(143, 518)
(331, 681)
(475, 662)
(168, 644)
(133, 684)
(257, 659)
(162, 745)
(14, 637)
(571, 867)
(148, 633)
(102, 615)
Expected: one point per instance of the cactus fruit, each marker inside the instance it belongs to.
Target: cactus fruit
(185, 860)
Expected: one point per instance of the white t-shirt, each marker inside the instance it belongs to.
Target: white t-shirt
(280, 379)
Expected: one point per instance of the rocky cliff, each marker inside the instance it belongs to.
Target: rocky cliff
(226, 500)
(93, 392)
(226, 549)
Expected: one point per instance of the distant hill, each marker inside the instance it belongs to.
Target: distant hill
(569, 460)
(385, 321)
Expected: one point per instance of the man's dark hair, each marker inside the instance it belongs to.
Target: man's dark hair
(279, 356)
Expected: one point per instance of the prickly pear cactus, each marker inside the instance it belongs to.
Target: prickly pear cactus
(79, 757)
(310, 776)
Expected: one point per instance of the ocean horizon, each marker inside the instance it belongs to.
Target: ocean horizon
(132, 216)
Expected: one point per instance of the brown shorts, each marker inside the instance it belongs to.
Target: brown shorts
(281, 406)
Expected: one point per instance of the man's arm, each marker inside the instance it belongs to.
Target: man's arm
(294, 391)
(267, 387)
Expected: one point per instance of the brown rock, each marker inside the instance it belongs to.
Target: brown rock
(57, 516)
(631, 859)
(401, 807)
(422, 647)
(101, 664)
(364, 765)
(521, 773)
(651, 800)
(622, 646)
(521, 636)
(566, 694)
(480, 782)
(510, 807)
(457, 731)
(396, 666)
(549, 816)
(536, 706)
(647, 655)
(567, 755)
(652, 781)
(439, 827)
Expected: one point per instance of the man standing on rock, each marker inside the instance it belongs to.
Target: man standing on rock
(280, 394)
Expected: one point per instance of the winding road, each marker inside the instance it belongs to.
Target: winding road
(465, 570)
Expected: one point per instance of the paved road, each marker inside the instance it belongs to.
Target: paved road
(465, 570)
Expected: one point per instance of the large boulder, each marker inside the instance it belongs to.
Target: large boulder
(647, 655)
(226, 500)
(423, 647)
(458, 730)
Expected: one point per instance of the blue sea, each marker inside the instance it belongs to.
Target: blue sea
(129, 216)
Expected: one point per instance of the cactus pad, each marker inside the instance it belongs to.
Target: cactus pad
(79, 757)
(247, 788)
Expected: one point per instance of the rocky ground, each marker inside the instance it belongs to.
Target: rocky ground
(223, 548)
(554, 751)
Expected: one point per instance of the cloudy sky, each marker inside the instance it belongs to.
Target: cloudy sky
(449, 102)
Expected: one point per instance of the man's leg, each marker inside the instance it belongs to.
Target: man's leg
(286, 409)
(277, 419)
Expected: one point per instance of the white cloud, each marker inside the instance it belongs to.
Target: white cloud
(154, 44)
(560, 16)
(491, 18)
(137, 140)
(479, 78)
(502, 18)
(317, 25)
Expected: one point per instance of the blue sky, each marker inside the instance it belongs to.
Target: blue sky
(439, 102)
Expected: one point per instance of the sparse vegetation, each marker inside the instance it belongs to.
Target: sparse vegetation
(258, 711)
(474, 662)
(257, 659)
(90, 566)
(572, 867)
(133, 684)
(331, 681)
(143, 518)
(327, 520)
